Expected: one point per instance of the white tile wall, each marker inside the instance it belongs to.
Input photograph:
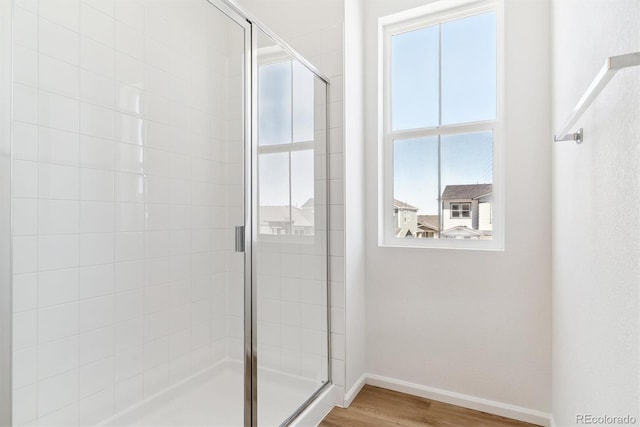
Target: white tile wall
(121, 251)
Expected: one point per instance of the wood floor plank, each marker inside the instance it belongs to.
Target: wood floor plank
(379, 407)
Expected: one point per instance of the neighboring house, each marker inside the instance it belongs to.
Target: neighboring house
(285, 220)
(428, 226)
(409, 224)
(466, 214)
(405, 219)
(467, 211)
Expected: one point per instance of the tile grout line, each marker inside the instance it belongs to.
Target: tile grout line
(37, 254)
(113, 207)
(80, 27)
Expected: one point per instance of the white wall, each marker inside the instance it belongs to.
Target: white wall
(473, 322)
(355, 209)
(596, 248)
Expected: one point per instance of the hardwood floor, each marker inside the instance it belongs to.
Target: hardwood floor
(379, 407)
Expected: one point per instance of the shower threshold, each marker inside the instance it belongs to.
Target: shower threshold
(214, 397)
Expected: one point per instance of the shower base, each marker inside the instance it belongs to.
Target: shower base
(215, 398)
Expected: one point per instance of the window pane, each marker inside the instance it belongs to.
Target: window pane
(273, 193)
(414, 79)
(415, 187)
(469, 69)
(467, 180)
(303, 103)
(274, 103)
(302, 192)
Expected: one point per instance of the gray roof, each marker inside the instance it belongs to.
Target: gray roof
(460, 230)
(309, 204)
(429, 221)
(278, 214)
(402, 205)
(469, 191)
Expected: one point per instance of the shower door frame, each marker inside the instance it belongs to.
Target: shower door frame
(251, 27)
(250, 393)
(252, 162)
(256, 27)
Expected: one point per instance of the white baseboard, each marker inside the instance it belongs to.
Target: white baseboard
(463, 400)
(552, 422)
(353, 392)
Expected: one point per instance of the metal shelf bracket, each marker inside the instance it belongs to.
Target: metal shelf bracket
(577, 137)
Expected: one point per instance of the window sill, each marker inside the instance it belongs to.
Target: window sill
(495, 245)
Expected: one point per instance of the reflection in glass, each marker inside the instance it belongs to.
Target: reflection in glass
(273, 194)
(291, 248)
(302, 192)
(274, 103)
(303, 103)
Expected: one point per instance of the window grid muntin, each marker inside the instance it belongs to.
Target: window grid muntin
(459, 209)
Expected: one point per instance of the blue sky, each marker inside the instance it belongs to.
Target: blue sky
(468, 95)
(465, 159)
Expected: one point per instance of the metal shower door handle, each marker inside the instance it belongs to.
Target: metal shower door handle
(239, 238)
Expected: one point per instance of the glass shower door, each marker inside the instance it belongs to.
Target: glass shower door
(291, 241)
(128, 160)
(204, 203)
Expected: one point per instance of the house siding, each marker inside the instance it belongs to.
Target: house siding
(448, 222)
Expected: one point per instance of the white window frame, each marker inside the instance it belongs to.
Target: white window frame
(413, 19)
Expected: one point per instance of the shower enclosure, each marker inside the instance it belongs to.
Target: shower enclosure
(168, 218)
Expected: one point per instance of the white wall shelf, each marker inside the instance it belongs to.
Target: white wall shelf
(612, 65)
